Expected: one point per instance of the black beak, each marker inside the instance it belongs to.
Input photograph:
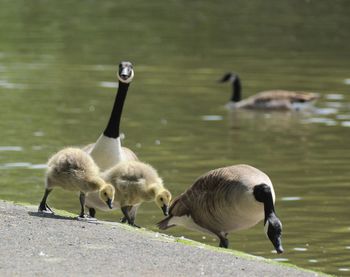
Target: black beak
(165, 209)
(225, 78)
(278, 246)
(109, 203)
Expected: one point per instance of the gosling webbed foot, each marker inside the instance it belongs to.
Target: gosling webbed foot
(86, 218)
(123, 220)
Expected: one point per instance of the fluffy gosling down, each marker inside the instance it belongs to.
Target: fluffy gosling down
(136, 182)
(73, 169)
(225, 200)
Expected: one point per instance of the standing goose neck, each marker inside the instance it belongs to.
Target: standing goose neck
(236, 89)
(112, 129)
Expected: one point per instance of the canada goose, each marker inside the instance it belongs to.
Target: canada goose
(107, 150)
(272, 99)
(225, 200)
(73, 169)
(136, 182)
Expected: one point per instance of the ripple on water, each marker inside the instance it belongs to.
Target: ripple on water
(326, 111)
(300, 249)
(347, 81)
(281, 259)
(320, 120)
(345, 124)
(8, 85)
(334, 96)
(291, 198)
(212, 117)
(108, 84)
(343, 116)
(11, 148)
(22, 165)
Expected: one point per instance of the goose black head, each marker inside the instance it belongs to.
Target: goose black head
(228, 77)
(236, 85)
(125, 72)
(273, 229)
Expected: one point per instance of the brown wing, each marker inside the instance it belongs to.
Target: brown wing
(291, 96)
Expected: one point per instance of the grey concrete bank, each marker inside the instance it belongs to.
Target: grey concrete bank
(33, 245)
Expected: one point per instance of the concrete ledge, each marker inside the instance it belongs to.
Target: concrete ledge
(35, 245)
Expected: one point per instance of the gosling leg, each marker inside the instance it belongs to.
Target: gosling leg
(43, 207)
(82, 204)
(132, 214)
(125, 210)
(92, 212)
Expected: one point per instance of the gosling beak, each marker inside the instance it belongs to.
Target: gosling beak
(109, 203)
(165, 210)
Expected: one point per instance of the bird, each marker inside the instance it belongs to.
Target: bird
(225, 200)
(107, 150)
(136, 182)
(73, 169)
(269, 100)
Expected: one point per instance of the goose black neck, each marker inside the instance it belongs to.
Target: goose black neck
(262, 193)
(236, 90)
(112, 129)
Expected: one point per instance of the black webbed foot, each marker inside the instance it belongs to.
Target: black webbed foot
(44, 208)
(223, 241)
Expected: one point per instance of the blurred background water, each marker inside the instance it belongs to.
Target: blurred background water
(58, 62)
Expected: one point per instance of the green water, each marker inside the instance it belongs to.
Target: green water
(57, 67)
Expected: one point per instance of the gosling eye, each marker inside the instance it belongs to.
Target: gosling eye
(161, 199)
(105, 193)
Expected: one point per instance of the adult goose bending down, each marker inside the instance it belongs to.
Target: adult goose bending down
(272, 99)
(73, 169)
(107, 150)
(136, 182)
(225, 200)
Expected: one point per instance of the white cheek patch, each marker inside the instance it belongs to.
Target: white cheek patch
(266, 227)
(127, 81)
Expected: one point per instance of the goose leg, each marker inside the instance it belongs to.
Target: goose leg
(43, 207)
(223, 240)
(130, 220)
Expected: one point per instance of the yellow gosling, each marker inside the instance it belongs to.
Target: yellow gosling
(73, 169)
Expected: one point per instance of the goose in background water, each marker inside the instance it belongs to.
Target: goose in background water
(225, 200)
(107, 150)
(270, 100)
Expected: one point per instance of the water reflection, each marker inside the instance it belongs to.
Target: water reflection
(58, 65)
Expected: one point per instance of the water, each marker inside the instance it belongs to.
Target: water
(58, 64)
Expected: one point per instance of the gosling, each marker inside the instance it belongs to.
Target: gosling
(136, 182)
(73, 169)
(225, 200)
